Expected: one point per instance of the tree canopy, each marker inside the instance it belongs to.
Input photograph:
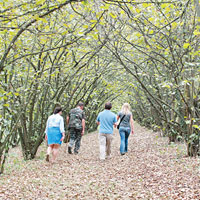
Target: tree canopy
(60, 52)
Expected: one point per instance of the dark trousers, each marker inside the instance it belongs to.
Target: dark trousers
(75, 137)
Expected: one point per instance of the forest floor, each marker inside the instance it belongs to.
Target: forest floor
(152, 169)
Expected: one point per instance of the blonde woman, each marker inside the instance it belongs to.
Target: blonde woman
(126, 126)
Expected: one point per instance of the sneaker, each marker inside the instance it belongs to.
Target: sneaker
(122, 154)
(47, 157)
(69, 150)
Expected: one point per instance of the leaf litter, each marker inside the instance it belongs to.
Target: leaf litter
(151, 170)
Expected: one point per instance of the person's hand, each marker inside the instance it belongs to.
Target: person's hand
(82, 133)
(63, 137)
(132, 132)
(45, 136)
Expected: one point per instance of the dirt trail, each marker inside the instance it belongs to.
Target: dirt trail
(151, 169)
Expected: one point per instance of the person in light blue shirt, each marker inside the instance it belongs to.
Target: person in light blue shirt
(106, 119)
(55, 133)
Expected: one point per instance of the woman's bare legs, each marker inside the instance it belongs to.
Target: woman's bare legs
(49, 150)
(55, 150)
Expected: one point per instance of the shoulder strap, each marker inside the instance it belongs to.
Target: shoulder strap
(121, 119)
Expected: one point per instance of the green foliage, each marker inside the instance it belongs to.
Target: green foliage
(63, 52)
(158, 47)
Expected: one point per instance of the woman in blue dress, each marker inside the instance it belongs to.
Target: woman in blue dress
(55, 133)
(126, 127)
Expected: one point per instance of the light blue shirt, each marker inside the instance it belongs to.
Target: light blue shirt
(107, 120)
(55, 120)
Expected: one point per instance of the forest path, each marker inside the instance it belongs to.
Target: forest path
(151, 169)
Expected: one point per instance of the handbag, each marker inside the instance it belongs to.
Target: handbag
(120, 122)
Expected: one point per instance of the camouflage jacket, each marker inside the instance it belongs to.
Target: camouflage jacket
(75, 118)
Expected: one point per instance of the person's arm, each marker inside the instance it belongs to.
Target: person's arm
(67, 120)
(46, 129)
(115, 124)
(131, 123)
(98, 120)
(115, 121)
(63, 136)
(62, 129)
(83, 126)
(83, 123)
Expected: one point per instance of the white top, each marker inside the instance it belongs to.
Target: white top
(55, 120)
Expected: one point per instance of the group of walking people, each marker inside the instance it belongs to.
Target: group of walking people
(107, 120)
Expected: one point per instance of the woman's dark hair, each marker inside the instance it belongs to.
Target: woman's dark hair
(57, 110)
(108, 106)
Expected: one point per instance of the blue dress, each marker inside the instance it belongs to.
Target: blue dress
(54, 135)
(54, 129)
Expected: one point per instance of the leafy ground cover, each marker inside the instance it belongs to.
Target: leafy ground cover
(151, 169)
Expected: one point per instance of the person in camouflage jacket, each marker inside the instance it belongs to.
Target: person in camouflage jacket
(76, 126)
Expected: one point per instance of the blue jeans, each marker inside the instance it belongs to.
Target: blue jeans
(124, 134)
